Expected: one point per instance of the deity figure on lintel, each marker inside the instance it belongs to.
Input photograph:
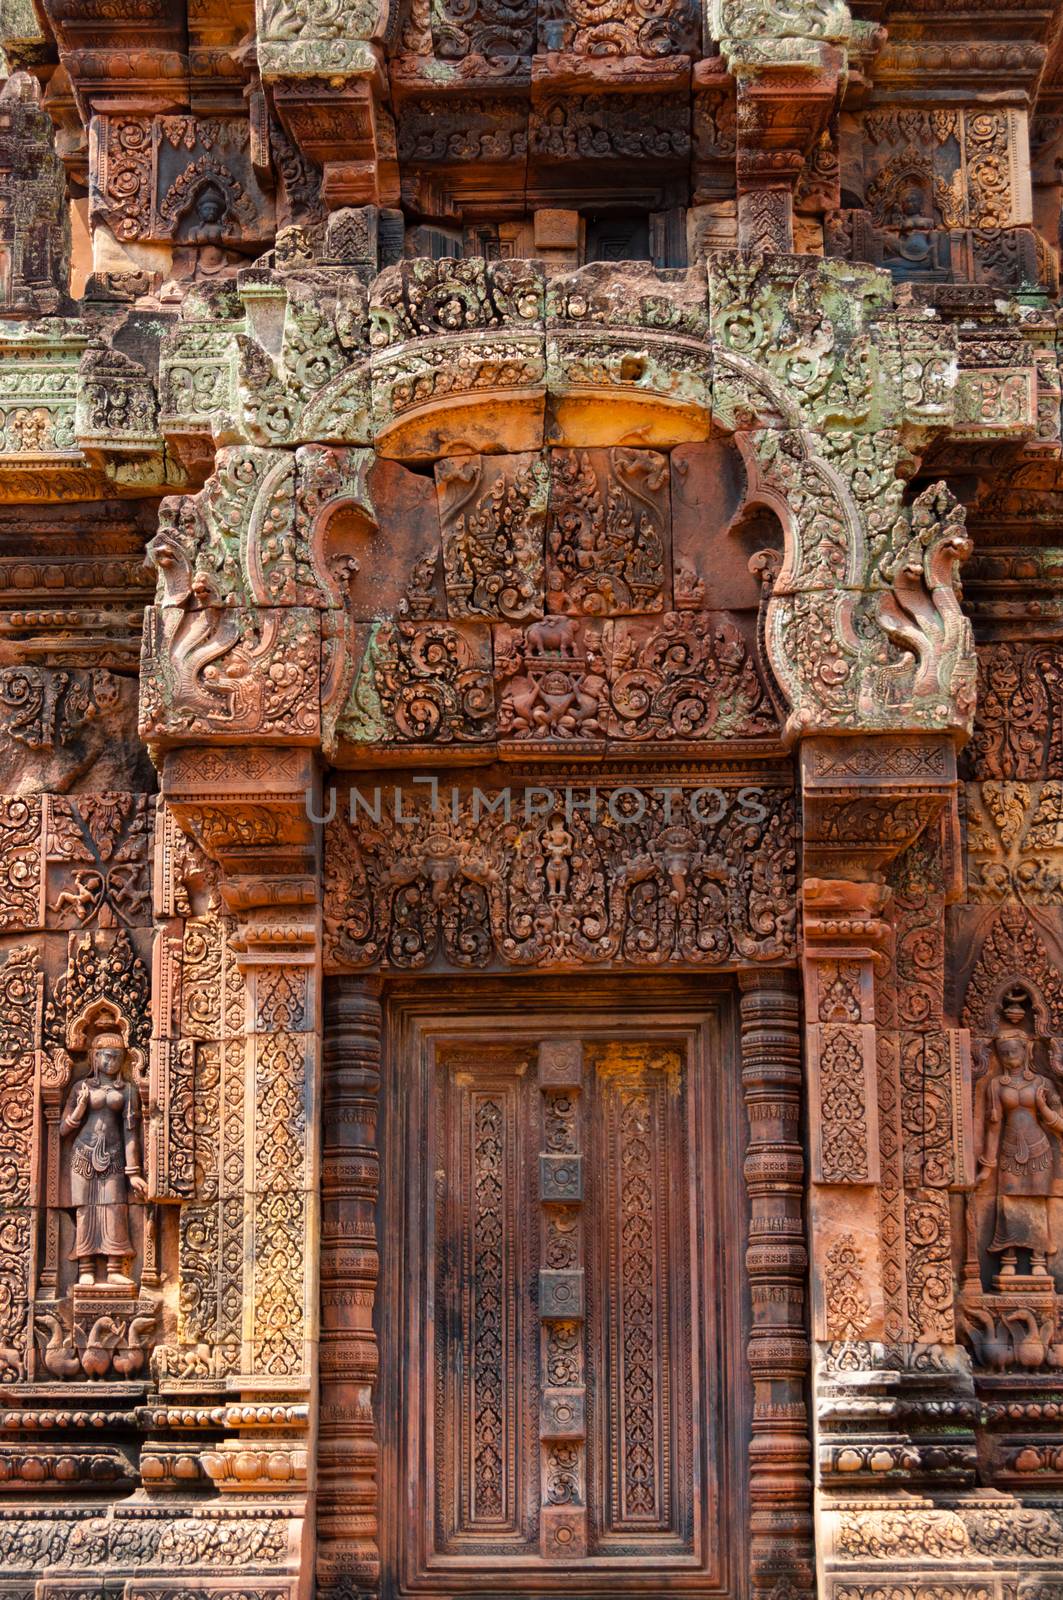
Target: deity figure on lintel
(1022, 1114)
(557, 842)
(105, 1162)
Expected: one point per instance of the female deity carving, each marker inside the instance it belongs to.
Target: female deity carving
(206, 223)
(103, 1113)
(912, 235)
(1022, 1112)
(201, 251)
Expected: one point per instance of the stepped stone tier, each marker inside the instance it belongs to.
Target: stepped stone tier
(531, 800)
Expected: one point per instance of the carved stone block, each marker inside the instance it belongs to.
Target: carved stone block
(624, 355)
(566, 127)
(420, 683)
(563, 1414)
(58, 722)
(21, 864)
(560, 1063)
(395, 566)
(564, 1533)
(1018, 734)
(560, 1178)
(499, 601)
(686, 676)
(608, 544)
(492, 512)
(98, 850)
(479, 379)
(1015, 841)
(233, 673)
(552, 680)
(845, 1127)
(711, 564)
(560, 1293)
(34, 225)
(186, 181)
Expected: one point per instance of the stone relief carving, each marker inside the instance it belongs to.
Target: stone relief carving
(1017, 731)
(605, 544)
(1017, 1154)
(34, 226)
(492, 536)
(646, 881)
(103, 1162)
(447, 482)
(1010, 1302)
(185, 180)
(940, 191)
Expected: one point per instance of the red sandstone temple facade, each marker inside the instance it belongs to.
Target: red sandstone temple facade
(531, 800)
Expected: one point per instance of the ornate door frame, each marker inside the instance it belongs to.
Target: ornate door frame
(827, 448)
(763, 1347)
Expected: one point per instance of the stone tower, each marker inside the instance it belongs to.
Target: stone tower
(531, 894)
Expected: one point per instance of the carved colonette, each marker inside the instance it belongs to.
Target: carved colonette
(777, 1261)
(347, 1458)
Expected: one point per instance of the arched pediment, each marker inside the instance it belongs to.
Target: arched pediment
(825, 390)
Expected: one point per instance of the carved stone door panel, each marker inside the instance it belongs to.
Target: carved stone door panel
(558, 1360)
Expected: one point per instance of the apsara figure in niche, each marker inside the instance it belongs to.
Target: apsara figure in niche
(1023, 1112)
(102, 1111)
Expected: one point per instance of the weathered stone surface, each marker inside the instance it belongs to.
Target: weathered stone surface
(531, 968)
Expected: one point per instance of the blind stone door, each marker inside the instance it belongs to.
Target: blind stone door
(563, 1310)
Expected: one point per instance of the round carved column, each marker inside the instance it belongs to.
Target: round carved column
(348, 1559)
(776, 1262)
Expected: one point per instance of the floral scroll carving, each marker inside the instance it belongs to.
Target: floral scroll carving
(21, 997)
(577, 447)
